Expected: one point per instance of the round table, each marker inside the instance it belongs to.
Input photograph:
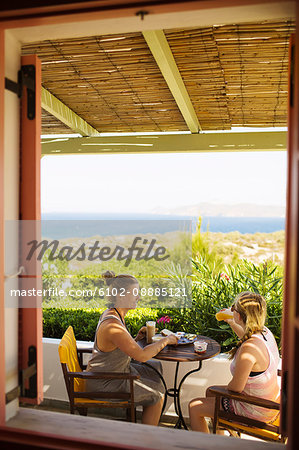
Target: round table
(178, 354)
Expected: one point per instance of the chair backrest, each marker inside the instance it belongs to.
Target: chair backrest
(68, 355)
(276, 422)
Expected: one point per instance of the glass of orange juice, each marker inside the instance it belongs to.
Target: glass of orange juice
(225, 313)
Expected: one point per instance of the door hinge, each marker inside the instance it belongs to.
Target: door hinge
(30, 374)
(26, 77)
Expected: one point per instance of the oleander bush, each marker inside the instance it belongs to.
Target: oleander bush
(213, 291)
(213, 288)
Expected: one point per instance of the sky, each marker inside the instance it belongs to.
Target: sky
(141, 183)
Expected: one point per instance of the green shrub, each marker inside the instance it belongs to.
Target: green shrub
(56, 321)
(210, 292)
(84, 321)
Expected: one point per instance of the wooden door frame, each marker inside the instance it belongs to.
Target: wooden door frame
(290, 342)
(2, 243)
(103, 9)
(63, 13)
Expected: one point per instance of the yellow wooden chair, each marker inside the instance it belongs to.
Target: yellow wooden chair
(75, 378)
(242, 424)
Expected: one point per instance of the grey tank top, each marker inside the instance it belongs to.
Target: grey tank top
(114, 361)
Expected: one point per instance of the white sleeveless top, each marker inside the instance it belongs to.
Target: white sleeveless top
(264, 385)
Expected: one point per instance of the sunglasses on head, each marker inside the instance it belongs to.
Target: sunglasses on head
(234, 308)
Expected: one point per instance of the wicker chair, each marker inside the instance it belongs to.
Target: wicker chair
(75, 378)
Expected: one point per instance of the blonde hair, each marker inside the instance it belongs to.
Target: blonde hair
(253, 310)
(117, 283)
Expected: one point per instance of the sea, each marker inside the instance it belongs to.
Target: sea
(57, 225)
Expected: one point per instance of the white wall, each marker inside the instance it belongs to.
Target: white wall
(213, 371)
(11, 212)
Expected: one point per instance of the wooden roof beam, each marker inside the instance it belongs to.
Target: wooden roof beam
(66, 115)
(158, 45)
(202, 142)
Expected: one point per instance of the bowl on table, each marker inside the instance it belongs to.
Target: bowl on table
(200, 346)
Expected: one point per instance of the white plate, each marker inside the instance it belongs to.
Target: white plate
(157, 337)
(180, 334)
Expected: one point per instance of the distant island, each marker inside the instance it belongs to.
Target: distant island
(220, 210)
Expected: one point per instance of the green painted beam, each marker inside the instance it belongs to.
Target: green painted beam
(62, 112)
(203, 142)
(158, 45)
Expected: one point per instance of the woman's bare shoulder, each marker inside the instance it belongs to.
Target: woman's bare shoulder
(252, 345)
(109, 323)
(255, 347)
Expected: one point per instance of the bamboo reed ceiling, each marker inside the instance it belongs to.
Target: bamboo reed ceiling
(51, 125)
(235, 75)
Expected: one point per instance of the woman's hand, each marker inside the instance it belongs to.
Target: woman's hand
(172, 339)
(122, 339)
(229, 321)
(141, 334)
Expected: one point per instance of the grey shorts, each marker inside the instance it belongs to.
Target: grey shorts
(149, 389)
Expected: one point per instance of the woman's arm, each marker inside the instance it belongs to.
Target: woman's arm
(235, 327)
(245, 360)
(122, 339)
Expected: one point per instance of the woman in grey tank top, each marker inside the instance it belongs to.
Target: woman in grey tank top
(116, 351)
